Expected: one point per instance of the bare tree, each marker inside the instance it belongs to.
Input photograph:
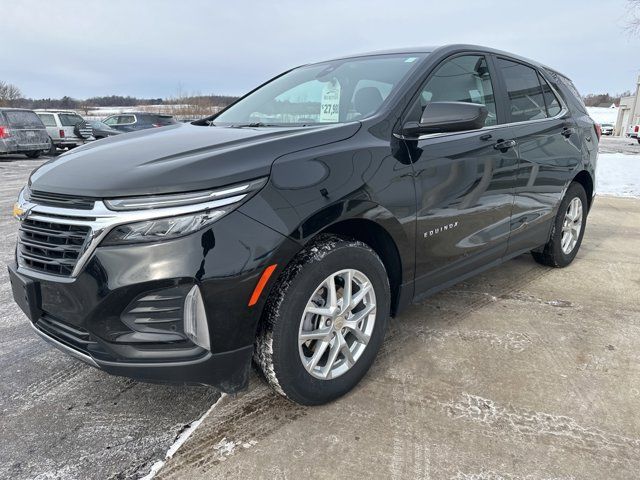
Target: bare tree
(632, 25)
(8, 94)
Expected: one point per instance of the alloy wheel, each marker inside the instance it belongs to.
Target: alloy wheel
(571, 226)
(337, 324)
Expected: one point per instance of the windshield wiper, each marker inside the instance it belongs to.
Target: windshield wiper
(255, 124)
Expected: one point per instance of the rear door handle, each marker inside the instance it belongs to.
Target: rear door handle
(568, 131)
(504, 145)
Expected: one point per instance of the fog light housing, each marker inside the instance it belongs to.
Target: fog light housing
(196, 327)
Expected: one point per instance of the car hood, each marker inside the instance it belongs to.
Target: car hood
(177, 158)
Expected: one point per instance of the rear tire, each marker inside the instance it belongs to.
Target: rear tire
(313, 371)
(568, 229)
(35, 154)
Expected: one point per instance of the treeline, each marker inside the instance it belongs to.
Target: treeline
(604, 99)
(118, 101)
(11, 96)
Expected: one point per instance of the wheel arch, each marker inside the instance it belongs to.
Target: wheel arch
(585, 179)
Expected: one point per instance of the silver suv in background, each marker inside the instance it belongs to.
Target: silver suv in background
(21, 131)
(66, 129)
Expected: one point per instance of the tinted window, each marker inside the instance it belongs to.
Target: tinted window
(550, 99)
(48, 119)
(461, 79)
(126, 119)
(162, 120)
(329, 92)
(69, 119)
(526, 101)
(23, 119)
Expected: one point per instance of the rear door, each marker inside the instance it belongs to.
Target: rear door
(548, 149)
(464, 180)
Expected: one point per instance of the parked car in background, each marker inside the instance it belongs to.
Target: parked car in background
(66, 129)
(129, 122)
(21, 131)
(102, 130)
(607, 128)
(632, 132)
(289, 227)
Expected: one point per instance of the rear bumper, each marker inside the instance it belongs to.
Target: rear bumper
(13, 146)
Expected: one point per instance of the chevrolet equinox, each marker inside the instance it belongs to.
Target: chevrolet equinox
(290, 226)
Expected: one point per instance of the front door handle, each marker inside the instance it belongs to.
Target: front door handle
(568, 131)
(504, 145)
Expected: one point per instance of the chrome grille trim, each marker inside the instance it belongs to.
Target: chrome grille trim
(99, 221)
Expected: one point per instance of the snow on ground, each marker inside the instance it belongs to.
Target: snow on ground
(603, 115)
(618, 174)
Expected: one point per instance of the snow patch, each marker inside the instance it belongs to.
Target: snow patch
(182, 438)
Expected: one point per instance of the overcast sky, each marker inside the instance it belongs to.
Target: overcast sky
(151, 48)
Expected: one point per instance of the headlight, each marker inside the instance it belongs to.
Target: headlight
(165, 217)
(162, 228)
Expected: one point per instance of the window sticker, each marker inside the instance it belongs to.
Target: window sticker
(410, 60)
(475, 96)
(330, 102)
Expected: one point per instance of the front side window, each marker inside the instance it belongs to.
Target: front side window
(111, 120)
(525, 96)
(461, 79)
(330, 92)
(48, 119)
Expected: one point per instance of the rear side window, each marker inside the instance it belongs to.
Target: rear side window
(126, 119)
(525, 95)
(550, 100)
(461, 79)
(69, 119)
(23, 119)
(48, 119)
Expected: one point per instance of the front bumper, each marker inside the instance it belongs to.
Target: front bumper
(94, 316)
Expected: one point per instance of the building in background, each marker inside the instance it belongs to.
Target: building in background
(628, 112)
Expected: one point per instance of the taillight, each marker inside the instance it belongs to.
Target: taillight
(635, 129)
(156, 125)
(61, 133)
(598, 128)
(4, 132)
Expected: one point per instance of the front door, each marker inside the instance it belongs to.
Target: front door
(464, 180)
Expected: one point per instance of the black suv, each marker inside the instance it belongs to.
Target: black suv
(130, 122)
(290, 226)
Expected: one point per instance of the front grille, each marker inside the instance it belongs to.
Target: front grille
(59, 200)
(49, 247)
(70, 335)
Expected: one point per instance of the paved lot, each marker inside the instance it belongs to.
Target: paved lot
(60, 418)
(521, 373)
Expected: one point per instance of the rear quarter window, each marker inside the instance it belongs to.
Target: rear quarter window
(69, 120)
(22, 119)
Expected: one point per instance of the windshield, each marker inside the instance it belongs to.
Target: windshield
(330, 92)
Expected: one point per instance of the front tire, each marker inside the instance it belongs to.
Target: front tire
(325, 321)
(568, 229)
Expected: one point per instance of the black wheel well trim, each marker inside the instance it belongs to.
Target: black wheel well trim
(381, 241)
(584, 178)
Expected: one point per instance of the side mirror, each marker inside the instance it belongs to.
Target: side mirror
(448, 117)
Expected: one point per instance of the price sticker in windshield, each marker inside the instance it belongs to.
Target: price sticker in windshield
(330, 102)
